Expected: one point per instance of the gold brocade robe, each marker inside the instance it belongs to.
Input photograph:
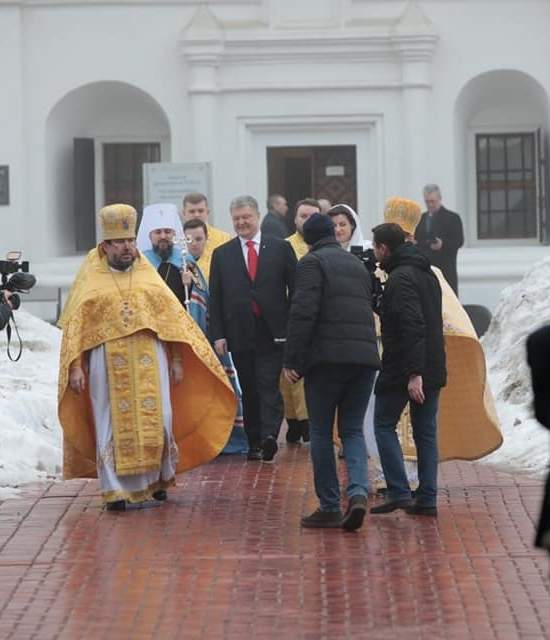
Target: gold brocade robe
(216, 237)
(298, 244)
(468, 426)
(293, 394)
(203, 404)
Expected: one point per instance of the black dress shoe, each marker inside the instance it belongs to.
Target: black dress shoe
(294, 432)
(305, 430)
(254, 454)
(269, 449)
(322, 520)
(160, 495)
(391, 505)
(117, 505)
(355, 513)
(415, 509)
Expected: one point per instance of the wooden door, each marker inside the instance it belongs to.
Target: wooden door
(123, 171)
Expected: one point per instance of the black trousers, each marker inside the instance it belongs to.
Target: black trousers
(259, 371)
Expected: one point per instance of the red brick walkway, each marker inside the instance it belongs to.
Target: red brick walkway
(225, 558)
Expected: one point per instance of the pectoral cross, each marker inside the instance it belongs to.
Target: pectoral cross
(126, 314)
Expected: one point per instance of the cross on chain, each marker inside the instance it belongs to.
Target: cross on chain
(126, 314)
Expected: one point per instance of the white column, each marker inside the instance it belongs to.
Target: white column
(203, 94)
(416, 125)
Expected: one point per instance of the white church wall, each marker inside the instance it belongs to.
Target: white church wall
(106, 112)
(330, 85)
(12, 145)
(140, 48)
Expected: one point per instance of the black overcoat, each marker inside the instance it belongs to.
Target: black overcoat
(446, 225)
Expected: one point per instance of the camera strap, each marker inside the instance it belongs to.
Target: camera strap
(8, 333)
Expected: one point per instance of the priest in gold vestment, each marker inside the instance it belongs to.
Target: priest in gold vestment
(195, 205)
(294, 398)
(142, 395)
(468, 427)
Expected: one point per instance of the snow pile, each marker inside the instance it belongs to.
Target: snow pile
(523, 307)
(30, 433)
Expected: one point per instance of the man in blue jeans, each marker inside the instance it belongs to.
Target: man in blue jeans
(413, 369)
(332, 343)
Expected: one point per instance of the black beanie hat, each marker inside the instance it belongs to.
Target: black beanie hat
(316, 227)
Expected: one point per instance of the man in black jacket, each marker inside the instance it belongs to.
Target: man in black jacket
(413, 368)
(332, 343)
(439, 235)
(251, 283)
(538, 357)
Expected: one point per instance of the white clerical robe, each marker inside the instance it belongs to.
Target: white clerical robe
(134, 488)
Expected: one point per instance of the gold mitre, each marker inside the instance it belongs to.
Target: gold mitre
(405, 213)
(118, 221)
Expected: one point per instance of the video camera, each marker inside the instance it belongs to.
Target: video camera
(368, 259)
(15, 278)
(366, 256)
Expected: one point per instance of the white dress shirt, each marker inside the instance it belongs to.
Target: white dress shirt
(256, 240)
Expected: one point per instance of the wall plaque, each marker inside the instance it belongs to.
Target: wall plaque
(4, 184)
(169, 181)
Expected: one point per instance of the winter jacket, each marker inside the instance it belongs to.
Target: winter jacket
(331, 319)
(411, 322)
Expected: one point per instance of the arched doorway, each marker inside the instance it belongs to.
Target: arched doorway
(501, 125)
(97, 139)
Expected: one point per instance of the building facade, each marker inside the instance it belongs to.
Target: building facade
(349, 99)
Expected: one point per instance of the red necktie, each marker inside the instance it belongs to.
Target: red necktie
(252, 263)
(252, 259)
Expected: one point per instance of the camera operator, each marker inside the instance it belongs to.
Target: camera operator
(5, 308)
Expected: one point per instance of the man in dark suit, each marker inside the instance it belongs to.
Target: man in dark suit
(251, 284)
(439, 235)
(275, 221)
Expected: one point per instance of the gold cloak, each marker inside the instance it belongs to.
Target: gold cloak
(468, 427)
(468, 423)
(203, 404)
(293, 394)
(216, 237)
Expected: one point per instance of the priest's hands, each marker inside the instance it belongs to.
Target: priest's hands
(77, 379)
(437, 244)
(221, 346)
(186, 278)
(176, 371)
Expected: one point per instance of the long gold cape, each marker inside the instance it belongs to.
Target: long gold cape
(216, 237)
(293, 394)
(468, 426)
(203, 404)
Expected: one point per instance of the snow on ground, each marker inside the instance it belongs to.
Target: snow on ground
(30, 433)
(523, 307)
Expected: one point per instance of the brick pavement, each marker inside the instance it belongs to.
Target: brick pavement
(225, 558)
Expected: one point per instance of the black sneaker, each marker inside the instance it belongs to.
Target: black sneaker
(160, 495)
(254, 454)
(355, 513)
(269, 449)
(294, 431)
(415, 509)
(116, 505)
(391, 505)
(322, 520)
